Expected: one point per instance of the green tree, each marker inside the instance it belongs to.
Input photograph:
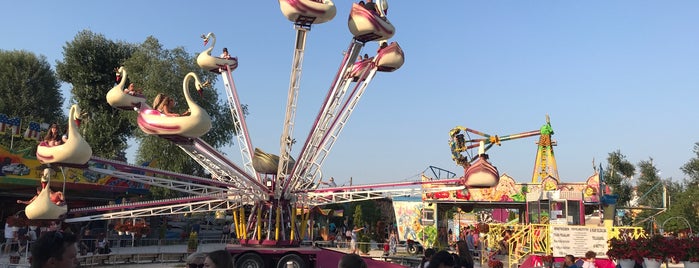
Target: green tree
(357, 218)
(88, 65)
(159, 70)
(619, 171)
(650, 188)
(28, 87)
(691, 168)
(29, 90)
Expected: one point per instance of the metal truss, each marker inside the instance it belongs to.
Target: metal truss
(179, 208)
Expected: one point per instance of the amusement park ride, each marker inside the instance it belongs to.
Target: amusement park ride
(269, 194)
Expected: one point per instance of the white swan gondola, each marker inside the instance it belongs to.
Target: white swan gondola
(367, 26)
(42, 208)
(194, 125)
(390, 58)
(211, 63)
(266, 163)
(321, 11)
(117, 98)
(481, 174)
(75, 151)
(361, 68)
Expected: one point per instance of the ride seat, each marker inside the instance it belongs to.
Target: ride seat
(304, 22)
(367, 37)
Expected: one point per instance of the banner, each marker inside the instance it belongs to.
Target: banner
(576, 240)
(33, 131)
(13, 126)
(3, 123)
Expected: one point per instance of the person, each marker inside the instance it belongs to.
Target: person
(167, 106)
(426, 259)
(569, 262)
(353, 241)
(53, 137)
(132, 90)
(505, 242)
(465, 257)
(158, 100)
(225, 54)
(55, 249)
(371, 6)
(103, 244)
(393, 242)
(590, 258)
(225, 232)
(331, 183)
(383, 45)
(195, 260)
(351, 261)
(441, 259)
(10, 235)
(219, 259)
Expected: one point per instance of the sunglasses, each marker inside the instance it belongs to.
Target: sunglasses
(192, 265)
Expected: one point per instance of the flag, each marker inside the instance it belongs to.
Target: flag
(13, 126)
(3, 125)
(33, 131)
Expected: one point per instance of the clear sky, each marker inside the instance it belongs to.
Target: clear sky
(612, 75)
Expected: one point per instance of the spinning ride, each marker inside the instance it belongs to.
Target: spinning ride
(480, 173)
(266, 193)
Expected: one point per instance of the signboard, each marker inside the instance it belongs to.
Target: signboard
(576, 240)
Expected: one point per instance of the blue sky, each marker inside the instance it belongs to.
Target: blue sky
(612, 75)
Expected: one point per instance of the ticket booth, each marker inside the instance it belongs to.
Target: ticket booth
(556, 211)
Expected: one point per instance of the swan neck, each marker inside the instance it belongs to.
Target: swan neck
(122, 83)
(185, 87)
(72, 126)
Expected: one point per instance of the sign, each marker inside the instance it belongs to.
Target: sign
(576, 240)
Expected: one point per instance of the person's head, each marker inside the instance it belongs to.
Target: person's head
(131, 86)
(461, 247)
(590, 255)
(54, 127)
(429, 253)
(225, 50)
(351, 261)
(569, 260)
(55, 249)
(218, 259)
(441, 259)
(195, 260)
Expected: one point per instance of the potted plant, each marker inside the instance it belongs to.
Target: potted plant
(653, 250)
(624, 251)
(363, 243)
(193, 242)
(687, 251)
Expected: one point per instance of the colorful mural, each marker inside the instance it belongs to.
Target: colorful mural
(408, 215)
(507, 190)
(22, 168)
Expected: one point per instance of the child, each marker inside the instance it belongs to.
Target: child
(590, 257)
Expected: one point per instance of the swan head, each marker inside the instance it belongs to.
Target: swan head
(200, 87)
(78, 115)
(206, 37)
(118, 73)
